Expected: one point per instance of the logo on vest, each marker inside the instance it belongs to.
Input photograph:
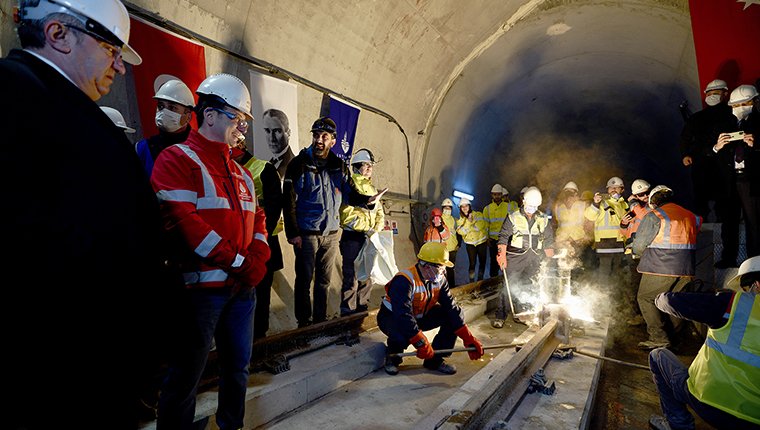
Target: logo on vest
(243, 193)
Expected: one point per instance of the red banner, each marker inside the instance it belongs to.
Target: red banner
(727, 40)
(163, 53)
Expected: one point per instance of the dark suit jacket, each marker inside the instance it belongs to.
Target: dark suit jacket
(81, 233)
(726, 155)
(283, 162)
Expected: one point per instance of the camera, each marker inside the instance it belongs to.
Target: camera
(737, 135)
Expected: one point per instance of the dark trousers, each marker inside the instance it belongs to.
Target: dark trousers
(353, 294)
(210, 314)
(670, 377)
(477, 252)
(436, 317)
(450, 272)
(263, 299)
(493, 249)
(735, 202)
(314, 260)
(659, 323)
(522, 273)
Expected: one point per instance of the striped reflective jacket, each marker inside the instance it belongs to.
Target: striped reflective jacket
(673, 250)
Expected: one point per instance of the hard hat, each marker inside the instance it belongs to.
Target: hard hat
(524, 189)
(436, 212)
(742, 93)
(117, 119)
(532, 197)
(639, 186)
(324, 124)
(657, 189)
(464, 201)
(717, 84)
(436, 253)
(497, 188)
(108, 19)
(175, 91)
(615, 182)
(571, 186)
(363, 156)
(504, 190)
(230, 89)
(447, 202)
(749, 265)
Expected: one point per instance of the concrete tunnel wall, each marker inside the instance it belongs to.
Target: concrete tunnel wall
(520, 92)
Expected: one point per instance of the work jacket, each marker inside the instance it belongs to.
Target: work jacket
(358, 218)
(522, 235)
(726, 372)
(494, 216)
(433, 234)
(570, 222)
(409, 298)
(475, 231)
(208, 203)
(606, 218)
(672, 251)
(452, 244)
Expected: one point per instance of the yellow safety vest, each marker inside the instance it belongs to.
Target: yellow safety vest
(606, 219)
(362, 219)
(512, 206)
(494, 215)
(726, 372)
(534, 235)
(473, 232)
(570, 221)
(452, 243)
(256, 166)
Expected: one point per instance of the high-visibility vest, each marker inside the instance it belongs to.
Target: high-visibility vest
(639, 212)
(452, 243)
(524, 237)
(570, 221)
(424, 297)
(512, 206)
(432, 234)
(494, 215)
(256, 166)
(606, 218)
(673, 250)
(473, 232)
(361, 219)
(726, 372)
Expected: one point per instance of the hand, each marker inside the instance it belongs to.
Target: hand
(470, 341)
(252, 271)
(549, 252)
(424, 349)
(501, 256)
(749, 140)
(597, 198)
(723, 140)
(376, 198)
(296, 242)
(687, 161)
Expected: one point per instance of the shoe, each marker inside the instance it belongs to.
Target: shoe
(443, 367)
(497, 323)
(725, 264)
(302, 324)
(635, 321)
(658, 422)
(391, 366)
(651, 344)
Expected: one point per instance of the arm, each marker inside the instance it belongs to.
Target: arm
(707, 308)
(400, 292)
(646, 233)
(289, 196)
(273, 197)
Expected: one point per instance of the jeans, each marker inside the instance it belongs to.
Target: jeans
(670, 377)
(314, 260)
(209, 314)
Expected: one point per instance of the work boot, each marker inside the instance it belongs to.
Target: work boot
(658, 422)
(497, 323)
(440, 366)
(653, 344)
(392, 364)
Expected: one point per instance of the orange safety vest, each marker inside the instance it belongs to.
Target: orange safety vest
(424, 297)
(673, 250)
(433, 235)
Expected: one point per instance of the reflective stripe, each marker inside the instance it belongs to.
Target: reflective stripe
(209, 190)
(216, 275)
(610, 250)
(213, 203)
(182, 196)
(247, 206)
(732, 347)
(238, 261)
(260, 236)
(387, 304)
(208, 243)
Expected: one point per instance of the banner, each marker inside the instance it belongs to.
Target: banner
(346, 117)
(726, 39)
(274, 104)
(163, 53)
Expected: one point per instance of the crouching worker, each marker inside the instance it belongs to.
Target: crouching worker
(722, 384)
(418, 299)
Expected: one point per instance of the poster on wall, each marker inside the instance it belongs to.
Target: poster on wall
(274, 104)
(346, 117)
(164, 55)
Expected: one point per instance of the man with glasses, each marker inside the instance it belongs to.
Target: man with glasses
(208, 202)
(81, 222)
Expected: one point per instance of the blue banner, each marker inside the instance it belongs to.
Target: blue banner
(346, 117)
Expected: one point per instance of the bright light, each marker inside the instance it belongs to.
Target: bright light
(463, 195)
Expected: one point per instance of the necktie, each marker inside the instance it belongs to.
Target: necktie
(739, 151)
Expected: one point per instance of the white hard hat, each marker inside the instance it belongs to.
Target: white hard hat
(571, 186)
(532, 197)
(658, 189)
(497, 188)
(749, 265)
(447, 202)
(742, 93)
(615, 182)
(639, 186)
(464, 201)
(173, 90)
(106, 19)
(363, 156)
(230, 89)
(504, 190)
(717, 84)
(117, 119)
(524, 189)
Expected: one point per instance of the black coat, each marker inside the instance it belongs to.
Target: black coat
(81, 236)
(725, 157)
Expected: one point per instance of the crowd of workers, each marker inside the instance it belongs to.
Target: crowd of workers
(176, 239)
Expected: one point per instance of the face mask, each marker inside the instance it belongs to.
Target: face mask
(530, 210)
(741, 112)
(615, 196)
(712, 99)
(167, 120)
(447, 211)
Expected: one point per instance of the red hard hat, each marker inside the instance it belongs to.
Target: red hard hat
(436, 212)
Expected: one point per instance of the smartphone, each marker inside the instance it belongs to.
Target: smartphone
(737, 135)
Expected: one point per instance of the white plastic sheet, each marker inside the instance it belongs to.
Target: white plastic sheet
(376, 260)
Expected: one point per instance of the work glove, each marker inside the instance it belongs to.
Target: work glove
(424, 348)
(501, 256)
(469, 341)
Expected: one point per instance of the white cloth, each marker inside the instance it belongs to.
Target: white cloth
(376, 260)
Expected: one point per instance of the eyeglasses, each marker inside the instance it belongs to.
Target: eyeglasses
(644, 194)
(112, 51)
(241, 122)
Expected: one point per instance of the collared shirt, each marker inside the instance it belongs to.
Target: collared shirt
(51, 64)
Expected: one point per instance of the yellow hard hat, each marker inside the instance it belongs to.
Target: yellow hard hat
(436, 253)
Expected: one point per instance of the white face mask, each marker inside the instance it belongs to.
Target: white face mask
(741, 112)
(167, 120)
(447, 211)
(615, 196)
(530, 209)
(712, 99)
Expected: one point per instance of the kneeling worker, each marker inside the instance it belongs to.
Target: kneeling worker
(418, 299)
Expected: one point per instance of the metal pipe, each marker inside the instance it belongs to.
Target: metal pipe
(449, 351)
